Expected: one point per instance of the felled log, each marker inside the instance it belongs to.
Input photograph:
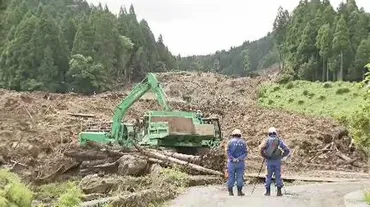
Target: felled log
(184, 157)
(80, 156)
(160, 156)
(92, 163)
(347, 159)
(82, 115)
(61, 170)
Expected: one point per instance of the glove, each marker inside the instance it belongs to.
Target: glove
(235, 160)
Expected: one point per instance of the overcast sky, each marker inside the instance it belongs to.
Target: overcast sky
(197, 27)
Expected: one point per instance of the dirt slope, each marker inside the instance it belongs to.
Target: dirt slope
(36, 128)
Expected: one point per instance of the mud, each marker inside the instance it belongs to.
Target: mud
(37, 128)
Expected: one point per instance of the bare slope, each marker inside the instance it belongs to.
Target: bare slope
(36, 128)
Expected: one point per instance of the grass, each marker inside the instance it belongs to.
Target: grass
(61, 194)
(367, 197)
(330, 99)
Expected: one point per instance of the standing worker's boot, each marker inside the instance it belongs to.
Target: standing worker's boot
(231, 193)
(279, 192)
(268, 191)
(240, 192)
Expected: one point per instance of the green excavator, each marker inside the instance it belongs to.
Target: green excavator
(185, 132)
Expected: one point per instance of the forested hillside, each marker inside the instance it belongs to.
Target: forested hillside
(319, 43)
(240, 60)
(63, 45)
(314, 42)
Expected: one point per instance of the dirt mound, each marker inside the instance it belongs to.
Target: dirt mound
(37, 128)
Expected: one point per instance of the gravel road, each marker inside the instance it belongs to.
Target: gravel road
(314, 195)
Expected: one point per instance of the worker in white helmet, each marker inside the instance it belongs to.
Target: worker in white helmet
(273, 149)
(237, 153)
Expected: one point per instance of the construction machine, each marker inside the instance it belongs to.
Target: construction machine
(182, 131)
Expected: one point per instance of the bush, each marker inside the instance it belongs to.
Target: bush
(300, 102)
(285, 79)
(290, 85)
(359, 126)
(327, 85)
(291, 100)
(322, 97)
(72, 197)
(13, 192)
(305, 92)
(270, 102)
(367, 197)
(342, 90)
(174, 177)
(276, 88)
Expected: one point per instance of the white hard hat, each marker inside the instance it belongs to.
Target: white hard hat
(236, 132)
(272, 130)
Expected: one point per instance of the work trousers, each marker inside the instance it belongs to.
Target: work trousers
(273, 167)
(235, 173)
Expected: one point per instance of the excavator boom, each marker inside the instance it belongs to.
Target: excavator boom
(119, 132)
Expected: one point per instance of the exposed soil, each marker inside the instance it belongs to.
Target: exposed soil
(36, 128)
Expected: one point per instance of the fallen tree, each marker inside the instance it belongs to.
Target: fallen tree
(157, 155)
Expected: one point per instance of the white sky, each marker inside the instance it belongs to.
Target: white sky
(198, 27)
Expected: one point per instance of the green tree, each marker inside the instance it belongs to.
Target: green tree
(362, 57)
(84, 40)
(323, 42)
(246, 60)
(84, 75)
(341, 43)
(280, 28)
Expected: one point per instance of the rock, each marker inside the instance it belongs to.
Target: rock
(132, 165)
(95, 184)
(33, 150)
(155, 170)
(2, 160)
(326, 138)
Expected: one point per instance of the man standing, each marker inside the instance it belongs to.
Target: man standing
(237, 153)
(273, 149)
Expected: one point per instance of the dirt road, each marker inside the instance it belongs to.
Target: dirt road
(314, 195)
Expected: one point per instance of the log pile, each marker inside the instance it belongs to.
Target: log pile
(105, 159)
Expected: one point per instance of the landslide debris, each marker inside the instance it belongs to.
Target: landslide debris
(38, 128)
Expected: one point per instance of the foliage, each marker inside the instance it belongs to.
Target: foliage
(85, 75)
(61, 194)
(321, 99)
(239, 61)
(315, 41)
(367, 197)
(72, 197)
(359, 122)
(174, 177)
(39, 39)
(13, 192)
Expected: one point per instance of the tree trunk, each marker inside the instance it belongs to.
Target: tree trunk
(323, 69)
(280, 62)
(340, 76)
(157, 155)
(327, 74)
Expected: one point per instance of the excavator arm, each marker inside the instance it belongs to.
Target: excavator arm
(150, 82)
(118, 133)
